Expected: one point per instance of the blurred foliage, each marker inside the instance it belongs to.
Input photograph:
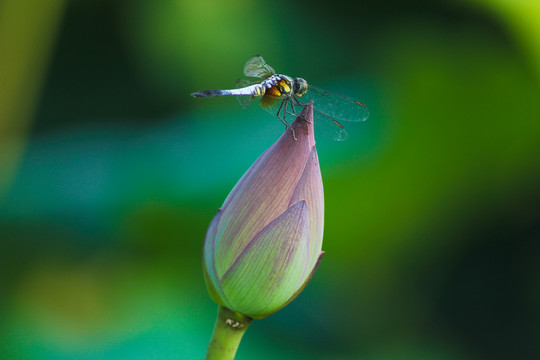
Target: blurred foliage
(432, 216)
(27, 30)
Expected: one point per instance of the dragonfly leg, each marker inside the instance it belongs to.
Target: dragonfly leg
(292, 113)
(298, 103)
(293, 134)
(279, 110)
(284, 111)
(291, 101)
(284, 116)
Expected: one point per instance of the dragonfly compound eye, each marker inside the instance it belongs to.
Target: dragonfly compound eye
(300, 86)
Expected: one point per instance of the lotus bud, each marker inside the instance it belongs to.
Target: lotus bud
(264, 244)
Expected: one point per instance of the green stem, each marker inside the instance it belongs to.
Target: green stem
(229, 329)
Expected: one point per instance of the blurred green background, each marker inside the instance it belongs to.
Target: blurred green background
(110, 174)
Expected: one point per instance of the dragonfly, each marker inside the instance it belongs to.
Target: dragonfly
(281, 95)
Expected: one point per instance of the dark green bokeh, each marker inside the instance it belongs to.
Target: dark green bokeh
(432, 205)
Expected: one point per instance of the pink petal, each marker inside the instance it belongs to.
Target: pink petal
(209, 264)
(272, 266)
(264, 192)
(310, 189)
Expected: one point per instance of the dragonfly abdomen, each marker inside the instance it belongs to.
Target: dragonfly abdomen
(253, 90)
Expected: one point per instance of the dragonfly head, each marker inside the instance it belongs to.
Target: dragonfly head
(300, 86)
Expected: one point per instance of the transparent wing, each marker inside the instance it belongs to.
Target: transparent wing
(325, 125)
(329, 127)
(272, 106)
(244, 100)
(335, 106)
(257, 67)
